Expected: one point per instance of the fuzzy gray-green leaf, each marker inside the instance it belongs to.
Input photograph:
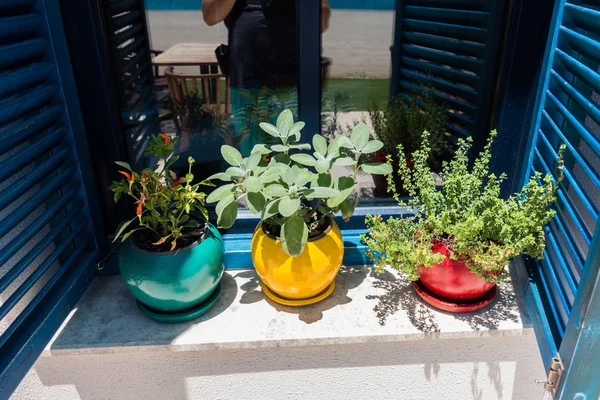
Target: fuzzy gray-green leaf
(270, 129)
(360, 136)
(294, 235)
(220, 193)
(377, 168)
(319, 144)
(231, 155)
(304, 159)
(288, 205)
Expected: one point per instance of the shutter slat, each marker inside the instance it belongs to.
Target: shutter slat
(18, 133)
(445, 86)
(584, 17)
(577, 68)
(574, 94)
(562, 271)
(11, 82)
(31, 280)
(582, 44)
(590, 140)
(449, 102)
(575, 253)
(49, 189)
(41, 171)
(442, 29)
(131, 47)
(474, 5)
(12, 274)
(17, 162)
(458, 62)
(445, 44)
(448, 15)
(86, 261)
(19, 26)
(574, 152)
(128, 34)
(15, 108)
(446, 72)
(122, 21)
(18, 53)
(573, 183)
(120, 6)
(556, 292)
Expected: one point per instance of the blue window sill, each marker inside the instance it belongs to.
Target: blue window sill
(238, 238)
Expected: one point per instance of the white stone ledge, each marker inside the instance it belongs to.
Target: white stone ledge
(364, 308)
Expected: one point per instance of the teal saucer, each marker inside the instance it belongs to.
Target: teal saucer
(183, 315)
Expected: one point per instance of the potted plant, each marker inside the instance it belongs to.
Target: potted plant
(172, 258)
(460, 238)
(403, 123)
(297, 248)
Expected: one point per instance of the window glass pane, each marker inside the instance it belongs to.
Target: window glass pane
(357, 45)
(258, 53)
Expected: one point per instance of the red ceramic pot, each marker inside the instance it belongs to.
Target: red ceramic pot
(452, 279)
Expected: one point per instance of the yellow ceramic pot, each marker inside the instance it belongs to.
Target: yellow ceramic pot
(305, 279)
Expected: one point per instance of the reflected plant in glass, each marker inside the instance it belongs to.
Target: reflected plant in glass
(290, 183)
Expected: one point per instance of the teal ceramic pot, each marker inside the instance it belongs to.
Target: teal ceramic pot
(175, 281)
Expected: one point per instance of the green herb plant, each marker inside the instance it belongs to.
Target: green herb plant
(467, 214)
(294, 191)
(163, 201)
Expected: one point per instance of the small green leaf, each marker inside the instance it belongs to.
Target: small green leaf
(123, 226)
(295, 130)
(125, 236)
(301, 146)
(344, 141)
(286, 117)
(227, 216)
(270, 129)
(252, 184)
(360, 136)
(372, 146)
(344, 182)
(224, 203)
(280, 148)
(324, 180)
(288, 205)
(303, 176)
(271, 209)
(347, 208)
(221, 192)
(260, 148)
(256, 202)
(318, 192)
(220, 175)
(319, 144)
(345, 161)
(235, 172)
(275, 190)
(377, 168)
(124, 165)
(294, 235)
(304, 159)
(338, 198)
(231, 155)
(322, 166)
(252, 161)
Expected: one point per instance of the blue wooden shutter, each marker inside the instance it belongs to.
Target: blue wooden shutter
(130, 46)
(568, 112)
(452, 46)
(48, 246)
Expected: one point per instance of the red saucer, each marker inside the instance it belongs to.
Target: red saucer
(455, 306)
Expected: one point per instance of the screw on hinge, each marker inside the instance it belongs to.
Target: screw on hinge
(554, 373)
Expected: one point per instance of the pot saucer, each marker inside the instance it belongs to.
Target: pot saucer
(188, 314)
(297, 302)
(455, 306)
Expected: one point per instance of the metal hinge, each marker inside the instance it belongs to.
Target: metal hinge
(554, 373)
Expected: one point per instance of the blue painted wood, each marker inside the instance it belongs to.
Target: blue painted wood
(452, 47)
(50, 227)
(564, 289)
(309, 70)
(125, 21)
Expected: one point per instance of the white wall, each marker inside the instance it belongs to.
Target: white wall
(497, 367)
